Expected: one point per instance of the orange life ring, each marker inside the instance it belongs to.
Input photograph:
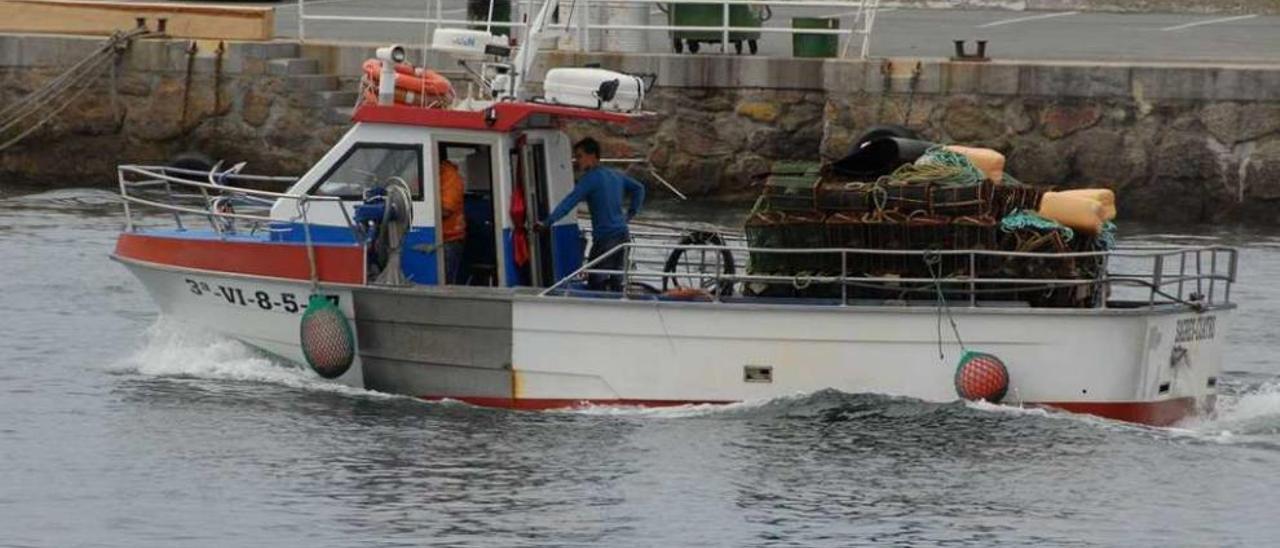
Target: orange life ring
(424, 82)
(406, 97)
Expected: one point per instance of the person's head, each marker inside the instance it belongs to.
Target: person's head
(586, 154)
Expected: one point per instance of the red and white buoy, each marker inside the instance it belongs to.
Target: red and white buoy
(981, 376)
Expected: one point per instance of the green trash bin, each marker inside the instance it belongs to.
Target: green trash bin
(478, 10)
(815, 45)
(711, 15)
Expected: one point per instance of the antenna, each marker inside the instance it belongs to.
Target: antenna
(524, 58)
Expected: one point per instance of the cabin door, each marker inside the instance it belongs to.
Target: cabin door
(467, 216)
(533, 164)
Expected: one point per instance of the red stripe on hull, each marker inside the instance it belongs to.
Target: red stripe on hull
(1154, 413)
(334, 263)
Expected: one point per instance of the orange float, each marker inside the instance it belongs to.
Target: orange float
(414, 86)
(413, 98)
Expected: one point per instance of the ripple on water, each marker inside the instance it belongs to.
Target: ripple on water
(153, 433)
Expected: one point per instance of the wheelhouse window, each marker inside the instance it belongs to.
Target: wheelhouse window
(368, 165)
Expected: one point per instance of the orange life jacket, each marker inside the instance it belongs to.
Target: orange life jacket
(453, 225)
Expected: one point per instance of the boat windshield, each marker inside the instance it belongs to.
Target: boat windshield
(369, 164)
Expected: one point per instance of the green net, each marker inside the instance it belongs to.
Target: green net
(326, 337)
(1022, 219)
(1106, 240)
(941, 167)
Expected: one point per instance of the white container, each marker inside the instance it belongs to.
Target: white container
(465, 43)
(580, 87)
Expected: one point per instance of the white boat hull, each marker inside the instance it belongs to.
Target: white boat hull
(263, 313)
(559, 352)
(504, 348)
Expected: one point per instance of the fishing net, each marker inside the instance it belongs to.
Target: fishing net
(326, 337)
(942, 201)
(981, 376)
(1106, 240)
(940, 166)
(1030, 221)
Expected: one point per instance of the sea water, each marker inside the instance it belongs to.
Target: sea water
(119, 428)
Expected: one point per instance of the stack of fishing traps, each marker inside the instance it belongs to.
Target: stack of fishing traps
(915, 207)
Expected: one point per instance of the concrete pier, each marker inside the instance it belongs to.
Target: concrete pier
(1184, 142)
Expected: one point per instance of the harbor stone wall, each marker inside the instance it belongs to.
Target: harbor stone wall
(1177, 142)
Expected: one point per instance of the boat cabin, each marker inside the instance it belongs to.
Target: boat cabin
(515, 164)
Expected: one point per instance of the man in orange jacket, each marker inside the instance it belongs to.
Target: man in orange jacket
(453, 229)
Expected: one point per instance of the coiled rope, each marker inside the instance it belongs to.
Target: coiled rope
(43, 104)
(941, 167)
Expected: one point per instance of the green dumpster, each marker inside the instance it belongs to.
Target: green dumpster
(712, 15)
(815, 45)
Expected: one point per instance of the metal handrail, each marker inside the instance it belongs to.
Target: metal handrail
(160, 176)
(865, 11)
(1156, 281)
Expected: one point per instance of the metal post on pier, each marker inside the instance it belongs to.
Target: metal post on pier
(584, 30)
(438, 19)
(724, 29)
(302, 23)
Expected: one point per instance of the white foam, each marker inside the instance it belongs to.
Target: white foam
(682, 411)
(176, 349)
(1011, 409)
(1239, 419)
(1263, 401)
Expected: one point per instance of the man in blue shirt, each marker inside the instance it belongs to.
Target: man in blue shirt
(603, 189)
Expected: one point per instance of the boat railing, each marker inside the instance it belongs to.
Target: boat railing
(220, 198)
(1200, 277)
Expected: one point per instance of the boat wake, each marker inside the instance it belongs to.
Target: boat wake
(1248, 413)
(829, 405)
(173, 349)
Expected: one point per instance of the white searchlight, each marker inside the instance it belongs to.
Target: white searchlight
(390, 56)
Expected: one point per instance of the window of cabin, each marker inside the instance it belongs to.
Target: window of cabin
(368, 165)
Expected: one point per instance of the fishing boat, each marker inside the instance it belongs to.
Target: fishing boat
(343, 270)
